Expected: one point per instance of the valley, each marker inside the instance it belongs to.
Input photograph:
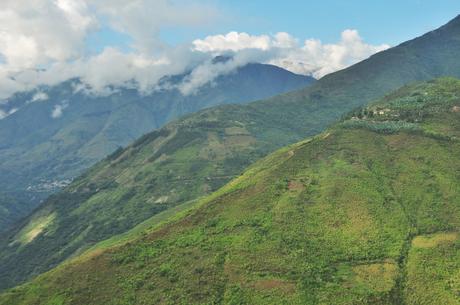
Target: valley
(339, 217)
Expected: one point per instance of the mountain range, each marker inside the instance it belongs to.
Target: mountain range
(54, 133)
(364, 213)
(171, 168)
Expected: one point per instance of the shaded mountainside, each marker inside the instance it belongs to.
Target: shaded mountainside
(39, 153)
(367, 212)
(10, 206)
(201, 152)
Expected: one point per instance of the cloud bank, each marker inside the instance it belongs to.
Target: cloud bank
(310, 58)
(44, 42)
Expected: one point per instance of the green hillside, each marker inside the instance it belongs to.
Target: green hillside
(40, 153)
(365, 213)
(10, 206)
(201, 152)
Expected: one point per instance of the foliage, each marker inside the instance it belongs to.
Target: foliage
(385, 127)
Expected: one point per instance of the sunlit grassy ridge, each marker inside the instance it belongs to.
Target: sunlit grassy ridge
(356, 215)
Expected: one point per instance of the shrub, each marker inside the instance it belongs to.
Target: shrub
(385, 127)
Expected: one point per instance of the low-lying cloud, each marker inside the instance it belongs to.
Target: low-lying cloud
(4, 114)
(58, 110)
(310, 58)
(38, 97)
(43, 42)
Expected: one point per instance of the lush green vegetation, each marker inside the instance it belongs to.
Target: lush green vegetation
(11, 208)
(201, 152)
(37, 152)
(355, 215)
(433, 270)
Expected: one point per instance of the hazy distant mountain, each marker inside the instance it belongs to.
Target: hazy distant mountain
(56, 132)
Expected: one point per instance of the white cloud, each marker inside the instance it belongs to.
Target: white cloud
(233, 41)
(59, 109)
(320, 59)
(4, 114)
(35, 33)
(311, 58)
(115, 68)
(142, 20)
(209, 70)
(42, 42)
(38, 97)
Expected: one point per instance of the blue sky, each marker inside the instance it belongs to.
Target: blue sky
(389, 21)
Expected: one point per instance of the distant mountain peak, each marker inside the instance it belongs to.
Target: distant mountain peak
(454, 23)
(456, 19)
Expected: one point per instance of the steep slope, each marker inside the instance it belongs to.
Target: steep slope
(365, 213)
(57, 132)
(9, 206)
(198, 154)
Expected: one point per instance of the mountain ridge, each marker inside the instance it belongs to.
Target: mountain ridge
(339, 217)
(198, 154)
(39, 153)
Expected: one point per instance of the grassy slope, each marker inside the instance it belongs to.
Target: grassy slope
(365, 213)
(198, 154)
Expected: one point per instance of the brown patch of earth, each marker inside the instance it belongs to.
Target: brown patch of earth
(296, 186)
(270, 284)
